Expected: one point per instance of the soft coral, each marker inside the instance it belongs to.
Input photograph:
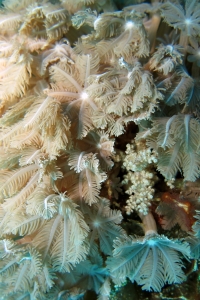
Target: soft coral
(151, 261)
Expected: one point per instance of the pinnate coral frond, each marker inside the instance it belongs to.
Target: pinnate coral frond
(151, 262)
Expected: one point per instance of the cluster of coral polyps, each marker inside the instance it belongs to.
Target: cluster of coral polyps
(74, 75)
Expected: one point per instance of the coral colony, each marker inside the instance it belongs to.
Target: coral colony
(100, 125)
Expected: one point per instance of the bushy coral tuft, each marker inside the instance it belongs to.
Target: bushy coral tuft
(99, 119)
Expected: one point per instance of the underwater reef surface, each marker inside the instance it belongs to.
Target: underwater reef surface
(99, 149)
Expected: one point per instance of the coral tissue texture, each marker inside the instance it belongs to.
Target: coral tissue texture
(99, 129)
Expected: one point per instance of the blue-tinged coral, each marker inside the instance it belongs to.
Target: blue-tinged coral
(99, 121)
(151, 261)
(176, 140)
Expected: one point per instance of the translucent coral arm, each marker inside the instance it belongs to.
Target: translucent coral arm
(149, 224)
